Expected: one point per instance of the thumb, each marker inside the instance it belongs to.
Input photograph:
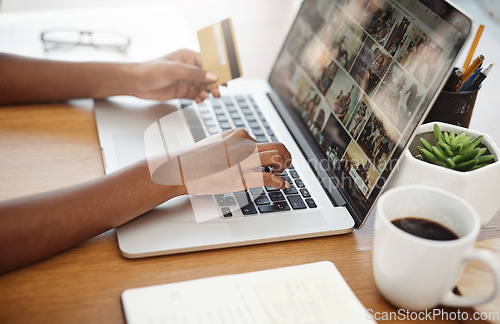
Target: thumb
(182, 71)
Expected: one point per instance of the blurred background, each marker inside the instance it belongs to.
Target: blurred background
(156, 27)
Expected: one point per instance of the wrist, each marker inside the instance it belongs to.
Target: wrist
(125, 78)
(165, 190)
(114, 79)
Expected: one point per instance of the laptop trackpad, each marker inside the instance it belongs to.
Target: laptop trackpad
(278, 223)
(129, 148)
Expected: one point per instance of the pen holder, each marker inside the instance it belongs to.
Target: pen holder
(453, 107)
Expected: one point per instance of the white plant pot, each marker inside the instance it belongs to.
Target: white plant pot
(480, 187)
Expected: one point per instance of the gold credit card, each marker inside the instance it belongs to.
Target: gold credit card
(218, 51)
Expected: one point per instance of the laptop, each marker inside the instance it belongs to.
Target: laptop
(352, 82)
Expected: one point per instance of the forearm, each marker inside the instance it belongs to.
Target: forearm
(25, 80)
(38, 226)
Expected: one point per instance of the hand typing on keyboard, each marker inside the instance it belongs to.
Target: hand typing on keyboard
(226, 162)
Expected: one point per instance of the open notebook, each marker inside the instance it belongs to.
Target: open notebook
(308, 293)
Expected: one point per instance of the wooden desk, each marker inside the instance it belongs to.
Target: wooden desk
(44, 147)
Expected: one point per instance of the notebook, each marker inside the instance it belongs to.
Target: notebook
(351, 84)
(306, 293)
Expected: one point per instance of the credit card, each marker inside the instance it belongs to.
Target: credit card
(219, 53)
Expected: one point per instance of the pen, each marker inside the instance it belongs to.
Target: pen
(473, 67)
(454, 80)
(473, 46)
(475, 80)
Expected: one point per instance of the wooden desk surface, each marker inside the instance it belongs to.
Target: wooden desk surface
(49, 146)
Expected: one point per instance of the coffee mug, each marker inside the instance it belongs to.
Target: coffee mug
(418, 273)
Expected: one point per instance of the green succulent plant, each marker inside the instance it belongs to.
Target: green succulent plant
(455, 151)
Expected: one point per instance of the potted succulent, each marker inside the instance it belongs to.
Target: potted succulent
(456, 159)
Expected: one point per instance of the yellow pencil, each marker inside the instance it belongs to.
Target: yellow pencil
(473, 67)
(473, 46)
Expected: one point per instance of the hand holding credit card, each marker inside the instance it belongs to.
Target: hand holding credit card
(218, 51)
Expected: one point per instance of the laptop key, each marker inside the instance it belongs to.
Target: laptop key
(206, 115)
(305, 193)
(234, 115)
(212, 130)
(226, 212)
(232, 109)
(238, 122)
(299, 183)
(258, 132)
(249, 209)
(258, 191)
(310, 202)
(254, 125)
(250, 118)
(222, 118)
(261, 139)
(246, 110)
(262, 200)
(219, 111)
(216, 103)
(296, 202)
(225, 201)
(290, 191)
(229, 201)
(242, 198)
(278, 206)
(276, 196)
(220, 200)
(293, 174)
(245, 202)
(209, 122)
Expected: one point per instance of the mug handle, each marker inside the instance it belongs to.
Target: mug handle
(489, 259)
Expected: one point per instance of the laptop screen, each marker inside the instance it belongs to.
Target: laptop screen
(358, 77)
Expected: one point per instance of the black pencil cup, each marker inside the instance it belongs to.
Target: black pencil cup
(453, 107)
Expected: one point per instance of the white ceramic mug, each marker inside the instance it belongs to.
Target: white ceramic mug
(416, 273)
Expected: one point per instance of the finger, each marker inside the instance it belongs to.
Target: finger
(272, 159)
(215, 92)
(277, 146)
(184, 56)
(182, 71)
(236, 134)
(259, 179)
(193, 92)
(196, 91)
(202, 95)
(182, 90)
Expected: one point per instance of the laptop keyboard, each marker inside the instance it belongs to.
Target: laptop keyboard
(228, 112)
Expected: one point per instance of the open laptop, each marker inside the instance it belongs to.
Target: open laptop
(351, 84)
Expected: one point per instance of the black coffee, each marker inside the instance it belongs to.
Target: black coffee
(425, 228)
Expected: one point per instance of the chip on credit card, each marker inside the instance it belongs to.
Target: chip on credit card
(218, 51)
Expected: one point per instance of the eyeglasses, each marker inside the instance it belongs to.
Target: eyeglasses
(67, 38)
